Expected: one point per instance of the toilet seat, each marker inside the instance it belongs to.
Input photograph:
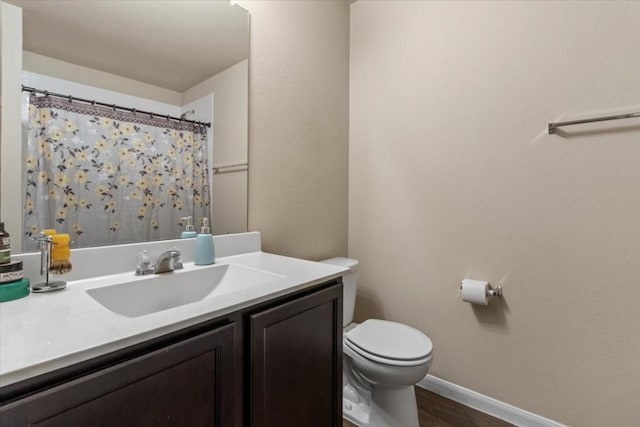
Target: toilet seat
(390, 343)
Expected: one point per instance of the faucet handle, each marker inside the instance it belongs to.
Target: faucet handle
(144, 264)
(144, 260)
(177, 261)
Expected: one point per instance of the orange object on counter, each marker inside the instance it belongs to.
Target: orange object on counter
(60, 254)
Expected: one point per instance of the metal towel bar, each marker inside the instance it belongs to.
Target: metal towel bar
(223, 168)
(554, 126)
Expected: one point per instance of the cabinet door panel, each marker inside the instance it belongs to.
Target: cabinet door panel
(296, 362)
(173, 397)
(189, 383)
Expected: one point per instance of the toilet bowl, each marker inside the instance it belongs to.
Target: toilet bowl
(382, 362)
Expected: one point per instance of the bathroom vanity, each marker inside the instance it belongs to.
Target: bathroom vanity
(261, 356)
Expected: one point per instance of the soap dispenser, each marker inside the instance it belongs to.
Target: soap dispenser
(188, 231)
(205, 251)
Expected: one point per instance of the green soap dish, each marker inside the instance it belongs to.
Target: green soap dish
(14, 290)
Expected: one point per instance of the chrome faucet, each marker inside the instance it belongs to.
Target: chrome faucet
(167, 261)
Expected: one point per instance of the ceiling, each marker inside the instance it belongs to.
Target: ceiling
(172, 44)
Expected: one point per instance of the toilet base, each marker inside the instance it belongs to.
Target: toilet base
(383, 407)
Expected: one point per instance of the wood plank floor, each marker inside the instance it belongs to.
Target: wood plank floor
(437, 411)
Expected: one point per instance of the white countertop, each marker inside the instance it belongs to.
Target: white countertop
(45, 332)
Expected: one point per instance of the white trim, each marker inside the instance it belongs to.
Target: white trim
(485, 404)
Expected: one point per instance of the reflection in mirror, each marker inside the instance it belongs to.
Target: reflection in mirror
(126, 152)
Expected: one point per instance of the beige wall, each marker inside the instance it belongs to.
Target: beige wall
(230, 97)
(452, 175)
(298, 132)
(65, 70)
(229, 145)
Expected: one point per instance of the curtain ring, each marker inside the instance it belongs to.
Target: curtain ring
(168, 118)
(93, 103)
(70, 98)
(151, 115)
(114, 107)
(134, 111)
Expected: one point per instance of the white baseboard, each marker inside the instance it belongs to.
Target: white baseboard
(485, 404)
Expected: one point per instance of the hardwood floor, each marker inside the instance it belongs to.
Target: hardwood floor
(437, 411)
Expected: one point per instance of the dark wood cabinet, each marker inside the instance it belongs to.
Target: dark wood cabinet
(275, 364)
(189, 383)
(296, 362)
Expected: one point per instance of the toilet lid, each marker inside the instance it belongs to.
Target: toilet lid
(390, 340)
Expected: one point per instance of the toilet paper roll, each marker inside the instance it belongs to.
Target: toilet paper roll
(475, 291)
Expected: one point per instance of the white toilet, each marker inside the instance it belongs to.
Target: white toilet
(382, 362)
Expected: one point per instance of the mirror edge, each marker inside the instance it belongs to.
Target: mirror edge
(11, 129)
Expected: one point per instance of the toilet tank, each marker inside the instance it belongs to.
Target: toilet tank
(349, 285)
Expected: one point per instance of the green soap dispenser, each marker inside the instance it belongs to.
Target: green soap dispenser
(205, 251)
(188, 230)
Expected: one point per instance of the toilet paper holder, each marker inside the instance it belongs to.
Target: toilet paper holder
(494, 292)
(491, 291)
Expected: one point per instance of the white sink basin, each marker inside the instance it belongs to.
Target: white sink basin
(140, 295)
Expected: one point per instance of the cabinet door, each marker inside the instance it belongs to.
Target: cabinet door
(296, 362)
(189, 383)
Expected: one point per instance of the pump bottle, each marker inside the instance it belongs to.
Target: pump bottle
(205, 251)
(188, 230)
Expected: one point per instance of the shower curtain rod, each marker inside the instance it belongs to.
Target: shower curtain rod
(114, 106)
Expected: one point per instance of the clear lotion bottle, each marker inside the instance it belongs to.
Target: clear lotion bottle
(205, 252)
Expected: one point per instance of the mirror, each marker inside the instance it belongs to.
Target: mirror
(184, 59)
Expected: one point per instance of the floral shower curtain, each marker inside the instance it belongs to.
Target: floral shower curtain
(110, 177)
